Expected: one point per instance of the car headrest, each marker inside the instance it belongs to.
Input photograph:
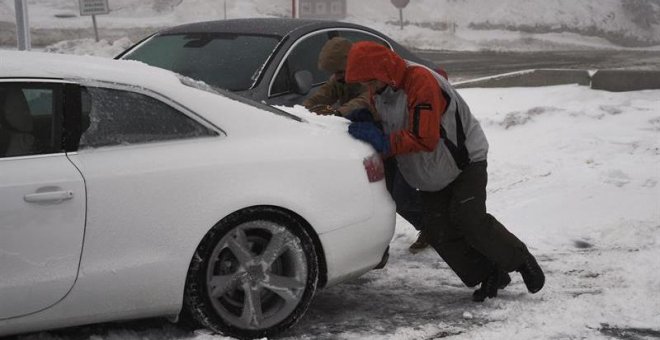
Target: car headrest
(15, 110)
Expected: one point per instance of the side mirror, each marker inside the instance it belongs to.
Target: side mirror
(304, 81)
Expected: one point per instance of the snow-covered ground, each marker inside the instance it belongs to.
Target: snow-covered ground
(575, 173)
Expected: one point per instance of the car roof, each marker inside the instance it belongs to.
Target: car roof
(259, 26)
(282, 27)
(22, 64)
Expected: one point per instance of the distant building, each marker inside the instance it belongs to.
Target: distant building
(322, 9)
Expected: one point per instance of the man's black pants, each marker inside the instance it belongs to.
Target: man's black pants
(471, 241)
(408, 199)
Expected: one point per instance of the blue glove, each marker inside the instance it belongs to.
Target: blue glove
(360, 115)
(370, 133)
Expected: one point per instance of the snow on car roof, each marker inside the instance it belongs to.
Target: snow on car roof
(23, 64)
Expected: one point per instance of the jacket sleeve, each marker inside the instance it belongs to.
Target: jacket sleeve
(363, 100)
(425, 106)
(325, 95)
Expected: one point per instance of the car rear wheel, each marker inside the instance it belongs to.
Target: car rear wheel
(253, 275)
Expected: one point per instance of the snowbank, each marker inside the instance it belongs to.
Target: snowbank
(102, 48)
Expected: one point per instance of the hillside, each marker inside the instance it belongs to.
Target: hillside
(477, 25)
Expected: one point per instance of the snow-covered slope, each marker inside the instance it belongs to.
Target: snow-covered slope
(603, 18)
(493, 25)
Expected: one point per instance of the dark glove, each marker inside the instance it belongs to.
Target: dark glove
(370, 133)
(360, 115)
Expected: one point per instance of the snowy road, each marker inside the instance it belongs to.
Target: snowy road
(575, 174)
(463, 65)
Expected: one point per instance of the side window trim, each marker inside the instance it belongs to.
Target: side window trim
(135, 46)
(306, 36)
(72, 117)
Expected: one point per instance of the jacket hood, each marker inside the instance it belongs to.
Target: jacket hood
(368, 60)
(333, 55)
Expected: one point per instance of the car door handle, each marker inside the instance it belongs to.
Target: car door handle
(49, 197)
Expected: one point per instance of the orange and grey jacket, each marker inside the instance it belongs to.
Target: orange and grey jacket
(432, 132)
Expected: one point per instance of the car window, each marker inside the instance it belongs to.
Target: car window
(303, 56)
(116, 117)
(228, 61)
(28, 119)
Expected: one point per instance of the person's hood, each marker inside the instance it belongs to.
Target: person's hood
(333, 55)
(368, 60)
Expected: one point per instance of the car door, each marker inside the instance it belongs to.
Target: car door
(42, 200)
(134, 148)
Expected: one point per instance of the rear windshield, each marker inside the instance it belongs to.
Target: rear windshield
(205, 87)
(228, 61)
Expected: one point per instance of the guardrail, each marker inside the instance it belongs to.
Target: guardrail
(608, 80)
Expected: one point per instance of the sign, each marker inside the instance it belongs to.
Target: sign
(322, 9)
(400, 3)
(94, 7)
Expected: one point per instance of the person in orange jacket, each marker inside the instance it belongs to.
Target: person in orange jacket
(338, 98)
(440, 149)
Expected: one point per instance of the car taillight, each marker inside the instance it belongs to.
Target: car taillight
(374, 167)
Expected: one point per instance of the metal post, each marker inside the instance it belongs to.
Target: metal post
(401, 17)
(22, 25)
(96, 29)
(293, 8)
(225, 9)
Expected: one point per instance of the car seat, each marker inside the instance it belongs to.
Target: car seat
(16, 125)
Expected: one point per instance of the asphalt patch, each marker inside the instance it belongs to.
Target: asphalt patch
(626, 333)
(582, 244)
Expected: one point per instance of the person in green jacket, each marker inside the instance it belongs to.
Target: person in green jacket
(336, 97)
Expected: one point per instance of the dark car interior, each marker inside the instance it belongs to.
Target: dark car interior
(25, 127)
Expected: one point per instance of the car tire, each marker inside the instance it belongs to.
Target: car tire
(253, 275)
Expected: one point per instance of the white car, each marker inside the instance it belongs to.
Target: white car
(128, 191)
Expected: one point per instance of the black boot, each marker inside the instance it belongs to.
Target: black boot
(497, 280)
(420, 244)
(531, 273)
